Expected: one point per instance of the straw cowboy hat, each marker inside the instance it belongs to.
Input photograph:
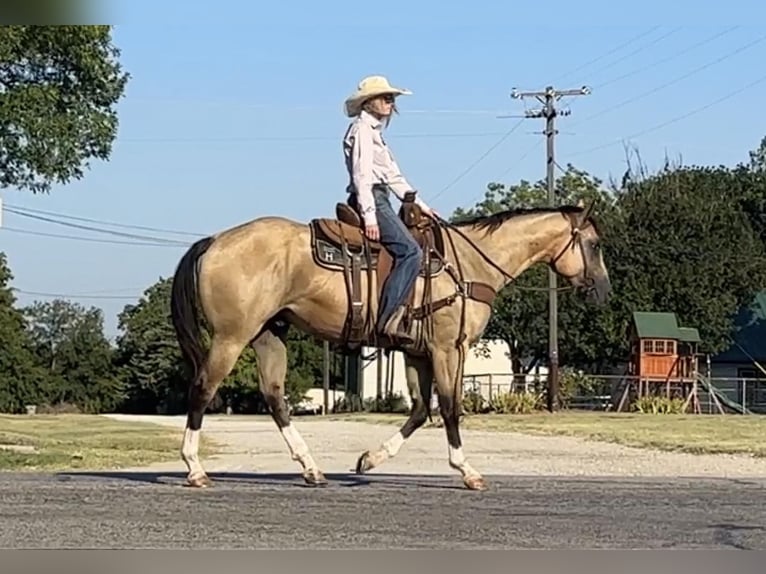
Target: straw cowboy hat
(370, 87)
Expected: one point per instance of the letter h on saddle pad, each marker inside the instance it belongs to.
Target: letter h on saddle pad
(339, 244)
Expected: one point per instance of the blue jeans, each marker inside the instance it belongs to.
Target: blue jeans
(406, 254)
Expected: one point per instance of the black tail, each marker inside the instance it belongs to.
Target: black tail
(184, 310)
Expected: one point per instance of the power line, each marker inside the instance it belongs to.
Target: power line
(72, 296)
(304, 138)
(675, 119)
(548, 98)
(668, 59)
(91, 228)
(308, 108)
(609, 53)
(523, 156)
(103, 222)
(639, 49)
(478, 160)
(87, 239)
(675, 80)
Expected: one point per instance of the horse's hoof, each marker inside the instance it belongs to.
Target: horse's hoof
(199, 481)
(475, 483)
(315, 478)
(363, 463)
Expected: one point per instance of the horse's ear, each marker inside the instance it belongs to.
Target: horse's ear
(582, 219)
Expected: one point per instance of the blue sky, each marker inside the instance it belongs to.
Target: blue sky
(227, 118)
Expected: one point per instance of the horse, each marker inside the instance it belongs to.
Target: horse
(250, 283)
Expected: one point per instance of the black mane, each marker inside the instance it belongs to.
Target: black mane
(495, 220)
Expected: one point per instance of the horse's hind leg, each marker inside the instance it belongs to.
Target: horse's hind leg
(419, 373)
(223, 355)
(271, 352)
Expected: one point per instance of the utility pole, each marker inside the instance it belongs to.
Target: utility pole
(548, 98)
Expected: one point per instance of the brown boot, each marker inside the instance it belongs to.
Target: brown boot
(393, 328)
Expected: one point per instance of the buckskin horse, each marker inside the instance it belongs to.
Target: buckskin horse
(250, 283)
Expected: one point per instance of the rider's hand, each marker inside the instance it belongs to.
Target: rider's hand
(372, 232)
(430, 212)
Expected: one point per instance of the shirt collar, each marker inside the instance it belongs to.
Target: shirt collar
(368, 118)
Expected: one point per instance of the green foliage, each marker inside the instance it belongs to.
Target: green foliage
(389, 403)
(59, 86)
(656, 405)
(20, 377)
(574, 383)
(516, 402)
(687, 246)
(304, 365)
(507, 402)
(474, 403)
(147, 354)
(69, 343)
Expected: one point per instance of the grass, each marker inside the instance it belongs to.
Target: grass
(695, 434)
(70, 442)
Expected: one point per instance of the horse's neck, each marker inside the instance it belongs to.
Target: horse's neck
(515, 246)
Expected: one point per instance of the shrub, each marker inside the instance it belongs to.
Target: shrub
(575, 383)
(391, 403)
(656, 405)
(515, 402)
(474, 403)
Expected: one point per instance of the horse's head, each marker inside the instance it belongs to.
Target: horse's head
(580, 259)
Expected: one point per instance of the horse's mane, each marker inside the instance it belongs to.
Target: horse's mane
(493, 221)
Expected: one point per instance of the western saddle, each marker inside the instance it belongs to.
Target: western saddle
(339, 244)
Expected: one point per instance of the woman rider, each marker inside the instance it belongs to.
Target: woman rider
(374, 175)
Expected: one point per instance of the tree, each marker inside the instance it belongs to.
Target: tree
(69, 342)
(58, 89)
(688, 246)
(148, 356)
(20, 377)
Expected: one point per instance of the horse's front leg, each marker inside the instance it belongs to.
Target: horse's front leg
(448, 371)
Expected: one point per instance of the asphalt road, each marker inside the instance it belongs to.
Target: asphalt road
(146, 510)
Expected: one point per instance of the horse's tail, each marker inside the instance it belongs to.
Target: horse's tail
(184, 310)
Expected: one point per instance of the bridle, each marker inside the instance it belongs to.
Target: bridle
(575, 240)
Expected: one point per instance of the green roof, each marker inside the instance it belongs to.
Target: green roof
(657, 325)
(689, 335)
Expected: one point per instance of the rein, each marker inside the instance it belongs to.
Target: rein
(575, 239)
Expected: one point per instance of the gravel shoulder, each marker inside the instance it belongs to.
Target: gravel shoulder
(254, 445)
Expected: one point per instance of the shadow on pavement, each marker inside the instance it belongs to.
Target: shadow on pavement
(343, 480)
